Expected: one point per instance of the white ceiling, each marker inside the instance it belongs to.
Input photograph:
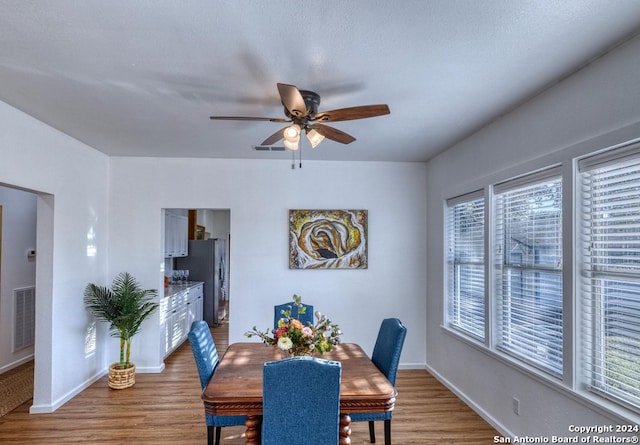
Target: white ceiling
(141, 78)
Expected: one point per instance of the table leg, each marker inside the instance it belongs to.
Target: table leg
(345, 429)
(253, 430)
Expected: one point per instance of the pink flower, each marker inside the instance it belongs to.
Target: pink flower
(281, 331)
(307, 331)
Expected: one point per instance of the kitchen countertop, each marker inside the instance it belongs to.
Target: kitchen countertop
(175, 288)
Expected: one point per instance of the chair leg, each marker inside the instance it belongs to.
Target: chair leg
(218, 434)
(209, 435)
(372, 432)
(387, 432)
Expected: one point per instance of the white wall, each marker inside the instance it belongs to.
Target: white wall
(71, 181)
(18, 270)
(259, 195)
(596, 108)
(216, 222)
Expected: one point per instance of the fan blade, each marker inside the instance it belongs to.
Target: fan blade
(292, 100)
(248, 118)
(352, 113)
(333, 133)
(275, 137)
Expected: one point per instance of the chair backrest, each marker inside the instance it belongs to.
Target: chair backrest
(304, 318)
(388, 347)
(204, 350)
(301, 401)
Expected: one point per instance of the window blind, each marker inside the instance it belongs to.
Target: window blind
(466, 308)
(529, 272)
(610, 292)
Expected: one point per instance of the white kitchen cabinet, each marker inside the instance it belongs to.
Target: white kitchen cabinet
(194, 304)
(179, 329)
(176, 234)
(181, 306)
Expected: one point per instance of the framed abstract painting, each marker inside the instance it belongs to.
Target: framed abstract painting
(328, 239)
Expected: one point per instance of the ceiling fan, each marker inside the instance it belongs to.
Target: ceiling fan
(301, 109)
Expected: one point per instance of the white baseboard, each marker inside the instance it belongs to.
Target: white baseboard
(44, 408)
(150, 369)
(15, 364)
(411, 366)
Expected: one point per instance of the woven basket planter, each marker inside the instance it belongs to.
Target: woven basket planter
(121, 378)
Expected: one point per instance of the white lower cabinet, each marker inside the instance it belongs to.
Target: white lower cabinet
(177, 311)
(194, 305)
(178, 327)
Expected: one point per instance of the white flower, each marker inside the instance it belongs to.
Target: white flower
(285, 343)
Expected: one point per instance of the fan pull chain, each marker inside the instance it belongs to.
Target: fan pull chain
(293, 158)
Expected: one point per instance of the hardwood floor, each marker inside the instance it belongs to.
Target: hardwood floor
(166, 409)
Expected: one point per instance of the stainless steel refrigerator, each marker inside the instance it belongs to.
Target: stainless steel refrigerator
(207, 262)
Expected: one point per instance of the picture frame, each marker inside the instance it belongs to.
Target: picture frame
(328, 239)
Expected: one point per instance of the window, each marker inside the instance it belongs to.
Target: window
(610, 294)
(528, 255)
(465, 289)
(504, 274)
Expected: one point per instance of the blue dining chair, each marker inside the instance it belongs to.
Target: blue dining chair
(301, 401)
(304, 318)
(206, 356)
(386, 356)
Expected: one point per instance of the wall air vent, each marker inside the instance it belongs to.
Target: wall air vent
(25, 317)
(268, 148)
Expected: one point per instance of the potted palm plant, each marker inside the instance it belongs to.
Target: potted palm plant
(125, 306)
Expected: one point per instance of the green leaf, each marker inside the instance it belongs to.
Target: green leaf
(125, 307)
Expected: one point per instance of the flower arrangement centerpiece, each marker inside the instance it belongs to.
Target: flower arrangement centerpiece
(295, 338)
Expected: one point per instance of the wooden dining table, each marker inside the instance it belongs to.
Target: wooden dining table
(236, 386)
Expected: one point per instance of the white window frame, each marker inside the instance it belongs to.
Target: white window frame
(576, 379)
(609, 298)
(466, 316)
(530, 328)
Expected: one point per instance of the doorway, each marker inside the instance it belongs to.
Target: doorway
(203, 226)
(18, 229)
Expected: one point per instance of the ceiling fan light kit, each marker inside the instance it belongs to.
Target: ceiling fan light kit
(291, 145)
(292, 133)
(292, 136)
(301, 109)
(314, 137)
